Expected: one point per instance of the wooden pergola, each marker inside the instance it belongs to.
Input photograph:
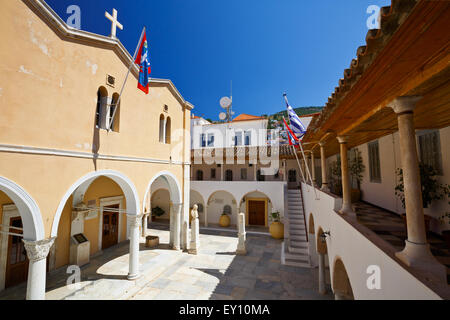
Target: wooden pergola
(409, 55)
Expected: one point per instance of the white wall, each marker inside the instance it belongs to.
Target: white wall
(224, 133)
(358, 251)
(274, 190)
(383, 194)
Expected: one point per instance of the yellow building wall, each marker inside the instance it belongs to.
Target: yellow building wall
(4, 199)
(102, 188)
(62, 242)
(48, 98)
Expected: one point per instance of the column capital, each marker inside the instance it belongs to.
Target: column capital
(135, 219)
(404, 104)
(342, 139)
(38, 250)
(322, 144)
(177, 206)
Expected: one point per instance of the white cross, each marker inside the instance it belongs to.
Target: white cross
(114, 22)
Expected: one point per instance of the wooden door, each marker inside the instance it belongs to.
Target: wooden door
(110, 226)
(256, 212)
(17, 262)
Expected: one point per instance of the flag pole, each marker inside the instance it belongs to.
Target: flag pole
(303, 153)
(295, 153)
(126, 78)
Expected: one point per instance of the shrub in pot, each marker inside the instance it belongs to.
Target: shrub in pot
(157, 212)
(431, 189)
(276, 228)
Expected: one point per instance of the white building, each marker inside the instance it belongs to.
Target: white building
(244, 130)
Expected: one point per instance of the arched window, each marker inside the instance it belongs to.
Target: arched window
(102, 103)
(114, 106)
(292, 175)
(229, 175)
(161, 128)
(167, 140)
(199, 175)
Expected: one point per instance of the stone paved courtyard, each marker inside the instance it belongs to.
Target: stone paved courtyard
(216, 273)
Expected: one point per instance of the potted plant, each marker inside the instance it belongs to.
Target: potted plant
(445, 218)
(356, 169)
(224, 220)
(157, 212)
(431, 189)
(335, 177)
(276, 228)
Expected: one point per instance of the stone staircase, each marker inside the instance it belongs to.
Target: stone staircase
(296, 251)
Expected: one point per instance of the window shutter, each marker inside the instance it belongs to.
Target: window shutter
(104, 112)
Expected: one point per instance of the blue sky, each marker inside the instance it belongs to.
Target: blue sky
(265, 47)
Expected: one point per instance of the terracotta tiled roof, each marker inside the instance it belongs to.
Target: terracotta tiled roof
(310, 115)
(247, 117)
(391, 18)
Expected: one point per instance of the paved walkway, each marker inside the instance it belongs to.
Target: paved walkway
(391, 228)
(216, 273)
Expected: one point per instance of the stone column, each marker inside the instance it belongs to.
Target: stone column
(338, 296)
(195, 231)
(241, 250)
(416, 252)
(176, 207)
(133, 271)
(313, 169)
(322, 286)
(323, 165)
(346, 195)
(37, 252)
(186, 236)
(205, 208)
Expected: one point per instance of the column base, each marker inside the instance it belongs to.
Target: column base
(133, 276)
(419, 256)
(241, 252)
(176, 248)
(192, 251)
(348, 211)
(325, 188)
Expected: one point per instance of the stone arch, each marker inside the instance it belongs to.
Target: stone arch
(219, 206)
(33, 226)
(79, 188)
(341, 282)
(311, 229)
(321, 244)
(173, 187)
(197, 198)
(175, 204)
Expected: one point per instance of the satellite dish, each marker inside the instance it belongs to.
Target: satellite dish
(222, 116)
(225, 102)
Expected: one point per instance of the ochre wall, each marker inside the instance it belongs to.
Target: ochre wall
(102, 188)
(161, 198)
(62, 241)
(4, 199)
(49, 86)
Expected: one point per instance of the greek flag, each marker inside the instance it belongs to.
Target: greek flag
(296, 125)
